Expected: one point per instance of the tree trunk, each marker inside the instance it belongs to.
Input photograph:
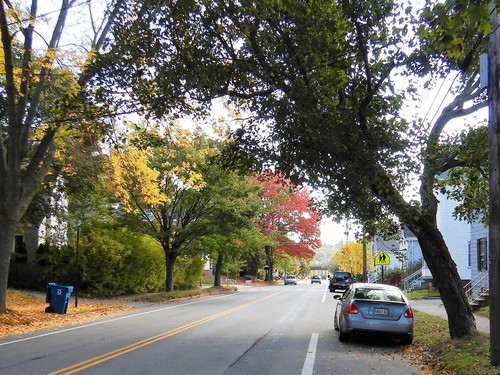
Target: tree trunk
(170, 258)
(494, 185)
(218, 269)
(7, 242)
(423, 223)
(461, 320)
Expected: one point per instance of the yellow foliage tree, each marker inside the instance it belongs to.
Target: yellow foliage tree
(350, 258)
(133, 181)
(38, 104)
(160, 178)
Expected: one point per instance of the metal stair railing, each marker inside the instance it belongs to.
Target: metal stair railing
(374, 276)
(477, 287)
(410, 280)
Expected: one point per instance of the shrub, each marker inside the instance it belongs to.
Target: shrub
(111, 262)
(188, 272)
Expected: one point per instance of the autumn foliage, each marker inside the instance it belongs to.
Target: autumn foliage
(289, 218)
(26, 313)
(350, 258)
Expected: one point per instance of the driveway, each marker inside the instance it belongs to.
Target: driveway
(434, 306)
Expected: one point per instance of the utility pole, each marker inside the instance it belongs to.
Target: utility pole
(269, 263)
(365, 268)
(494, 183)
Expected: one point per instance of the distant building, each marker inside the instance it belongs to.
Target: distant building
(478, 251)
(47, 229)
(456, 234)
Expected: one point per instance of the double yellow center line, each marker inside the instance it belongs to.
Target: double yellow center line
(151, 340)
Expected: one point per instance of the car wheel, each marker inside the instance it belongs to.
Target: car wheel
(406, 340)
(343, 337)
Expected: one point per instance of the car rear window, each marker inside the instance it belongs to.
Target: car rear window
(378, 295)
(342, 276)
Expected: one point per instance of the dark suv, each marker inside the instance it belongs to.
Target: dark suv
(340, 281)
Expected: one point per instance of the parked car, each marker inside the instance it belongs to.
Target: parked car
(373, 308)
(340, 281)
(290, 279)
(315, 279)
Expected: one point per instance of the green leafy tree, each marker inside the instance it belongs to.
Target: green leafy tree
(160, 184)
(177, 193)
(225, 253)
(317, 79)
(40, 101)
(250, 244)
(288, 264)
(236, 205)
(456, 33)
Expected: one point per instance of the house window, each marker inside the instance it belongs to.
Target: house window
(482, 254)
(20, 253)
(19, 243)
(469, 255)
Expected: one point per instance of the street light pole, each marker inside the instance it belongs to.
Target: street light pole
(77, 265)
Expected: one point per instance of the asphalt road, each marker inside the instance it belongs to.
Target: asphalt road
(273, 330)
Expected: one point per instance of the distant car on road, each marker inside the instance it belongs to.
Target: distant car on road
(315, 279)
(340, 281)
(290, 279)
(373, 308)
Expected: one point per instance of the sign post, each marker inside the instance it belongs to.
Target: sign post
(382, 259)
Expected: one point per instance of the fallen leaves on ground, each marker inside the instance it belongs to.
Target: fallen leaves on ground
(420, 356)
(26, 313)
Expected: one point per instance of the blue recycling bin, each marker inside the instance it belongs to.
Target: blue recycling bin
(58, 297)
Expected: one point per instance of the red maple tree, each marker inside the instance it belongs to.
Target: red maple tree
(290, 217)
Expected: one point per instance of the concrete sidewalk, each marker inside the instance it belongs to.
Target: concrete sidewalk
(434, 306)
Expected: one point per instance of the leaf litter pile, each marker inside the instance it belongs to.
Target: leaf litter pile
(26, 313)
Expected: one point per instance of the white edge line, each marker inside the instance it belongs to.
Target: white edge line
(110, 320)
(311, 355)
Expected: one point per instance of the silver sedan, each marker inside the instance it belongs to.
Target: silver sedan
(374, 308)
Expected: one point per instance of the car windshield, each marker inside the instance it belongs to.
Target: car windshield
(378, 295)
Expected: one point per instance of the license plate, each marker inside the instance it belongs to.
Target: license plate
(382, 312)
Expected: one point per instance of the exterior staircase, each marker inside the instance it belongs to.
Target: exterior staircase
(374, 276)
(477, 290)
(413, 281)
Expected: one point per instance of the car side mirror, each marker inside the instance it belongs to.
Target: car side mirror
(337, 296)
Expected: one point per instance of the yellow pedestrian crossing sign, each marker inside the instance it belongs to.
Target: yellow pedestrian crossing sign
(382, 259)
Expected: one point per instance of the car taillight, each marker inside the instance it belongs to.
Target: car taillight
(408, 313)
(352, 309)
